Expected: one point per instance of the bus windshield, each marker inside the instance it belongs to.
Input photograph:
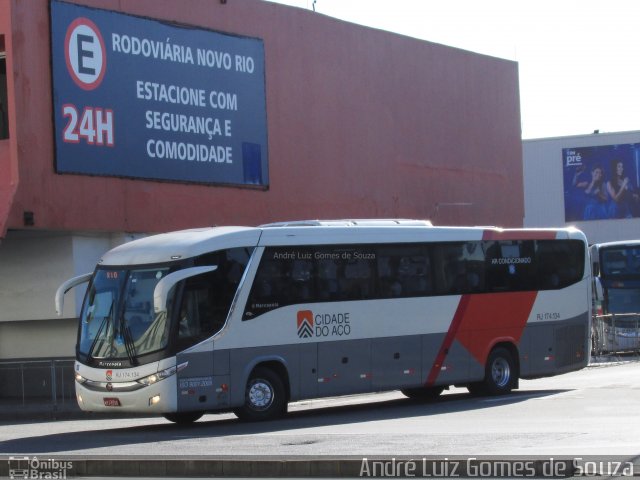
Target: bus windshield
(118, 320)
(623, 262)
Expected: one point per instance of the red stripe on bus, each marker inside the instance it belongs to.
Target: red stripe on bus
(492, 318)
(448, 339)
(481, 321)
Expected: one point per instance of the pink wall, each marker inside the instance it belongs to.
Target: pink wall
(8, 147)
(361, 123)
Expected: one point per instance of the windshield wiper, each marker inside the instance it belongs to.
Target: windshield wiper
(129, 345)
(99, 334)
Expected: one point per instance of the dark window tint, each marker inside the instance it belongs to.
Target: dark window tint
(510, 265)
(207, 298)
(404, 271)
(356, 273)
(285, 276)
(297, 275)
(459, 267)
(621, 262)
(560, 263)
(288, 276)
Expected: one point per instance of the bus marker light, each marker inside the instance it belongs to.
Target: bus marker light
(154, 400)
(80, 399)
(410, 371)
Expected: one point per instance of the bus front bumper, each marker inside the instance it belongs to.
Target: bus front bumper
(158, 398)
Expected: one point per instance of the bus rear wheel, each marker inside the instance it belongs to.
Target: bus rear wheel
(183, 418)
(264, 397)
(500, 375)
(423, 393)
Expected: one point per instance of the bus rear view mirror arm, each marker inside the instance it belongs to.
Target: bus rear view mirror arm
(65, 287)
(164, 286)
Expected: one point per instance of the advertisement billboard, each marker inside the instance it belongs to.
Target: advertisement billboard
(601, 182)
(139, 98)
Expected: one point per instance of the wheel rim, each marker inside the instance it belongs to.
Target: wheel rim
(260, 395)
(500, 372)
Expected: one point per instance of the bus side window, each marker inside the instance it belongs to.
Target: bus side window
(460, 267)
(511, 265)
(207, 298)
(404, 271)
(560, 263)
(356, 282)
(285, 276)
(327, 279)
(301, 281)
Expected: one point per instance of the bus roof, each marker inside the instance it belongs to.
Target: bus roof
(619, 243)
(172, 246)
(184, 244)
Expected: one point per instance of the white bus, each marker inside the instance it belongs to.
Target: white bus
(616, 294)
(249, 319)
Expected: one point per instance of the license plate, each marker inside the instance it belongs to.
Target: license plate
(111, 402)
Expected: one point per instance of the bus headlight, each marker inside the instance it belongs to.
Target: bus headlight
(80, 378)
(161, 375)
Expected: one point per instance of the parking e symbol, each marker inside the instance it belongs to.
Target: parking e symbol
(84, 39)
(85, 53)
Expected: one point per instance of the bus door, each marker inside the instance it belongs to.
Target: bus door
(195, 323)
(204, 305)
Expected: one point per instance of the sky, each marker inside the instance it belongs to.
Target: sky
(578, 60)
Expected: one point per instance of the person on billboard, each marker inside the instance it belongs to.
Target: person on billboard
(621, 192)
(595, 195)
(581, 178)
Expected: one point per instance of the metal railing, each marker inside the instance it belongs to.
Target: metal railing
(615, 333)
(37, 382)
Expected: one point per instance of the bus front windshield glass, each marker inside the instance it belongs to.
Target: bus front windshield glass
(118, 319)
(621, 263)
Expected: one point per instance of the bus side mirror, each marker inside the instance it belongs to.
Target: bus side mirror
(597, 290)
(164, 286)
(65, 287)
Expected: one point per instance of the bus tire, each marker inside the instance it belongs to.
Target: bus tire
(423, 393)
(264, 397)
(500, 376)
(183, 418)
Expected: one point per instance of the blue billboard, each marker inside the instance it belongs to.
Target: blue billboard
(601, 182)
(139, 98)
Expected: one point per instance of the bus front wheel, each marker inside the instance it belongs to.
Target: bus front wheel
(264, 397)
(500, 374)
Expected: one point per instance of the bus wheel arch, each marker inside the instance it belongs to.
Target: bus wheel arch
(266, 393)
(502, 371)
